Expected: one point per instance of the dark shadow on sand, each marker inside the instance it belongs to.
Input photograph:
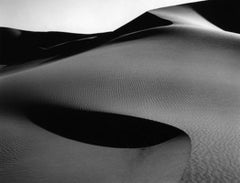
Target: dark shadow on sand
(99, 128)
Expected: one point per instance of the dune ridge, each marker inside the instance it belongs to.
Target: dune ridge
(90, 15)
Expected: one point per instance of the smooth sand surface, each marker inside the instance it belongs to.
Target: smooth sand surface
(182, 75)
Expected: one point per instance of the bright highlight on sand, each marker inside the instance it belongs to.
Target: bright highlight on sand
(79, 16)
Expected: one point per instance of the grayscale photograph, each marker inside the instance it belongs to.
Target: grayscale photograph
(119, 91)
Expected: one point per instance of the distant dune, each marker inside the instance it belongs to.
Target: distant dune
(156, 100)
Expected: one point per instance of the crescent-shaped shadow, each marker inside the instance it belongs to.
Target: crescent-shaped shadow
(103, 129)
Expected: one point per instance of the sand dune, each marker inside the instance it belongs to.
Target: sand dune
(180, 73)
(90, 15)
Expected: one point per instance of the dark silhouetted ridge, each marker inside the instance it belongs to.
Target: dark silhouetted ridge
(19, 48)
(138, 28)
(222, 13)
(143, 22)
(103, 129)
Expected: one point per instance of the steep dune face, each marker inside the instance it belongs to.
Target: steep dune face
(214, 11)
(185, 75)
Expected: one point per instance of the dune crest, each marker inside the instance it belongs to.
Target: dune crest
(184, 15)
(76, 16)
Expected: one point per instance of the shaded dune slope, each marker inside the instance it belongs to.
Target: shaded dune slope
(221, 13)
(103, 129)
(21, 49)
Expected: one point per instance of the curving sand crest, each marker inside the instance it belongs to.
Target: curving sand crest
(78, 16)
(184, 75)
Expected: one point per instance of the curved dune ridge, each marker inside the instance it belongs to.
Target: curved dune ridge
(91, 15)
(156, 100)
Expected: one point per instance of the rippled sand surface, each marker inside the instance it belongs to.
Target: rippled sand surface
(179, 72)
